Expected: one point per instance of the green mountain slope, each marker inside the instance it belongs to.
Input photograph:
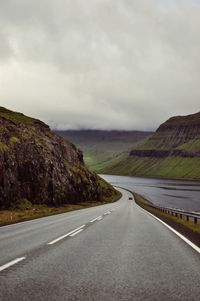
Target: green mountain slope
(104, 148)
(173, 151)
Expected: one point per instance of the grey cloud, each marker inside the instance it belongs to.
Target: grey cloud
(100, 63)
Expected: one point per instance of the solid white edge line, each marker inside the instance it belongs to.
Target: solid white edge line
(75, 233)
(191, 244)
(11, 263)
(65, 235)
(95, 219)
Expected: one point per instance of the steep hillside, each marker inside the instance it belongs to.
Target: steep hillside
(172, 152)
(174, 133)
(102, 148)
(41, 167)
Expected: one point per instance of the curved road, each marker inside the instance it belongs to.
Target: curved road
(111, 252)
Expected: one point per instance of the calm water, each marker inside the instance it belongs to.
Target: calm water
(170, 193)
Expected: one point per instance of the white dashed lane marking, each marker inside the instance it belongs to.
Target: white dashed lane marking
(11, 263)
(95, 219)
(65, 235)
(75, 233)
(79, 229)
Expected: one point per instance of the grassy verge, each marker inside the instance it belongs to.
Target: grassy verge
(141, 201)
(14, 216)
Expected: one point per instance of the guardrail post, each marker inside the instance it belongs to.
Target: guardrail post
(195, 220)
(187, 218)
(181, 216)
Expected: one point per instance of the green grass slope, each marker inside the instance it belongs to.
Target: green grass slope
(104, 148)
(191, 146)
(172, 152)
(170, 167)
(17, 117)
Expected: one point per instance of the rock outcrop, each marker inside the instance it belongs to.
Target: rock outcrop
(178, 136)
(38, 165)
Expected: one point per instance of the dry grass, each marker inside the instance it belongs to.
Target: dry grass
(13, 216)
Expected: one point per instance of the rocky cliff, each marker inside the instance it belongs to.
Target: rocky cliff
(41, 167)
(174, 137)
(173, 151)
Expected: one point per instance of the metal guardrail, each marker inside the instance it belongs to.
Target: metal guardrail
(192, 216)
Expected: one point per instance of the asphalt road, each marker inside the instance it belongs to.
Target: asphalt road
(125, 254)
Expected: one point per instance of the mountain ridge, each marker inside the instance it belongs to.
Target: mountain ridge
(101, 147)
(173, 151)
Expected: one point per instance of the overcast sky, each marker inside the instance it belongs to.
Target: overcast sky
(110, 64)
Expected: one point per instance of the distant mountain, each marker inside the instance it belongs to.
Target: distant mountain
(173, 151)
(102, 148)
(43, 168)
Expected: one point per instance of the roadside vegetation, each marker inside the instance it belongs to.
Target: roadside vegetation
(26, 211)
